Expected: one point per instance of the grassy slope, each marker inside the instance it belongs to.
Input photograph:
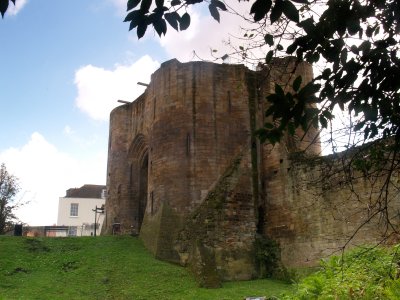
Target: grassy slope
(103, 268)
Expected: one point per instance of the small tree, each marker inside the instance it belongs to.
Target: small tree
(8, 189)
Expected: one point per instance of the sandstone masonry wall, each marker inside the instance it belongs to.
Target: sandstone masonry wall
(188, 127)
(317, 210)
(187, 173)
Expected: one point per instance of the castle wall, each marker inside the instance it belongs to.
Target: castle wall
(186, 172)
(318, 209)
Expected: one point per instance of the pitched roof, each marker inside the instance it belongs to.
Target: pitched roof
(86, 191)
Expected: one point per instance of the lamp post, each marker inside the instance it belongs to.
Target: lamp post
(99, 210)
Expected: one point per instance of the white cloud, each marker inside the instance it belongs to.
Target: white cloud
(84, 143)
(120, 5)
(99, 89)
(45, 173)
(14, 9)
(205, 34)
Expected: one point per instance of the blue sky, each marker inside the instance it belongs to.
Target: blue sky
(64, 64)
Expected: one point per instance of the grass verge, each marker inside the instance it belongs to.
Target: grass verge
(109, 267)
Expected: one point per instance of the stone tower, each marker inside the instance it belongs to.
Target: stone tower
(185, 170)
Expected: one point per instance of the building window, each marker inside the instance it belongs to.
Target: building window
(74, 210)
(72, 231)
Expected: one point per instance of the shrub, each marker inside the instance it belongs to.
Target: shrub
(362, 273)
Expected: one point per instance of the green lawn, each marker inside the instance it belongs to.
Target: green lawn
(104, 268)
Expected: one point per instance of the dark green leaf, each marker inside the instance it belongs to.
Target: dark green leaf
(214, 12)
(260, 8)
(172, 19)
(184, 21)
(269, 56)
(145, 5)
(261, 133)
(299, 54)
(129, 17)
(175, 2)
(323, 121)
(369, 31)
(308, 25)
(354, 49)
(159, 3)
(374, 130)
(132, 4)
(300, 1)
(343, 56)
(141, 30)
(278, 90)
(274, 136)
(160, 26)
(314, 57)
(268, 125)
(365, 47)
(291, 48)
(279, 47)
(290, 11)
(218, 4)
(309, 90)
(297, 83)
(326, 73)
(3, 7)
(132, 25)
(276, 11)
(327, 114)
(358, 126)
(137, 18)
(353, 26)
(390, 41)
(269, 39)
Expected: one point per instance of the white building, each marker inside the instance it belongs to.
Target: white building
(76, 210)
